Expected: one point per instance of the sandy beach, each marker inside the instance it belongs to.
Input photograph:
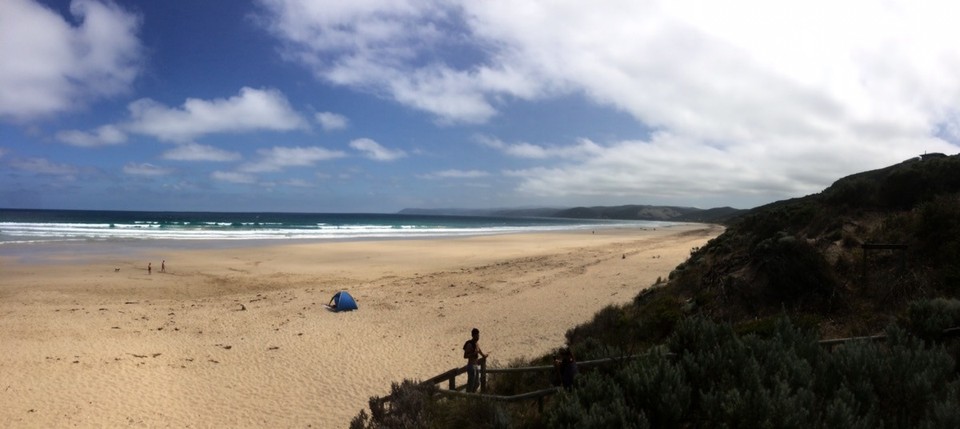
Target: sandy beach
(240, 337)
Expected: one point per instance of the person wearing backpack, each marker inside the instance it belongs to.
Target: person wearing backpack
(471, 352)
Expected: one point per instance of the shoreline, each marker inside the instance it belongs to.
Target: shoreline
(239, 337)
(57, 251)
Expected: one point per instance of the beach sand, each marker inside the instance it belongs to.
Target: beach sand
(240, 337)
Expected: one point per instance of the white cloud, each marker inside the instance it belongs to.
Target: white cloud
(332, 121)
(199, 152)
(145, 169)
(373, 45)
(668, 168)
(278, 158)
(106, 135)
(375, 151)
(583, 149)
(233, 177)
(297, 183)
(51, 65)
(454, 96)
(44, 166)
(456, 174)
(250, 110)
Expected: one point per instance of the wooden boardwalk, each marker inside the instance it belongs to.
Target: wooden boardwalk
(449, 377)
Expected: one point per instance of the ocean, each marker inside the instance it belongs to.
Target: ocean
(25, 227)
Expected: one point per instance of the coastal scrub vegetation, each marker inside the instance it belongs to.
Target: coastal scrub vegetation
(717, 378)
(730, 338)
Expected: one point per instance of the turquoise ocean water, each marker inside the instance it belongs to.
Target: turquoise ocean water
(25, 227)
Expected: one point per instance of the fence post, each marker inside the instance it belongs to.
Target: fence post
(452, 382)
(880, 246)
(483, 375)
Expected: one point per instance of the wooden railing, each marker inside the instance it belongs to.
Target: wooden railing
(539, 395)
(946, 333)
(450, 376)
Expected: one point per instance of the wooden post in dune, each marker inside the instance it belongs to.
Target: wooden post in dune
(867, 247)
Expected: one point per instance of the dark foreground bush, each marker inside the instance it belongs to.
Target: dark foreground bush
(414, 406)
(721, 380)
(714, 377)
(409, 406)
(928, 318)
(793, 273)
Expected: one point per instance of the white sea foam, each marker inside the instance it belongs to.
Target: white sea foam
(20, 232)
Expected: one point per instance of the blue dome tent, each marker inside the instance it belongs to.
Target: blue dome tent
(342, 301)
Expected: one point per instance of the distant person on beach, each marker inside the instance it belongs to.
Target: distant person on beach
(163, 266)
(149, 267)
(471, 350)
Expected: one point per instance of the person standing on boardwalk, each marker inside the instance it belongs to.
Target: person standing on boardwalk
(471, 352)
(566, 367)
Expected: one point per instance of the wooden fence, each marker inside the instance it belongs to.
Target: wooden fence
(946, 333)
(450, 377)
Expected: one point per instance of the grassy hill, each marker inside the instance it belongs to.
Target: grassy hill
(644, 212)
(813, 255)
(626, 212)
(730, 338)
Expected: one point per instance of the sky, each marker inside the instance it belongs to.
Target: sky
(379, 105)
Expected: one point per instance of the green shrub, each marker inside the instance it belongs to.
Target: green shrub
(903, 188)
(938, 231)
(658, 315)
(409, 406)
(763, 327)
(852, 192)
(659, 389)
(613, 325)
(928, 318)
(597, 403)
(900, 382)
(521, 382)
(715, 378)
(793, 273)
(784, 379)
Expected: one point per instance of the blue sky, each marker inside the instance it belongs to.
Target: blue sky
(374, 106)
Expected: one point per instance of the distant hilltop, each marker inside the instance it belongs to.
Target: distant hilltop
(627, 212)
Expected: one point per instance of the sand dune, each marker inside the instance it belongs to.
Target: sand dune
(241, 337)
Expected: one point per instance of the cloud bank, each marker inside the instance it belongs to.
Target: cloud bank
(770, 98)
